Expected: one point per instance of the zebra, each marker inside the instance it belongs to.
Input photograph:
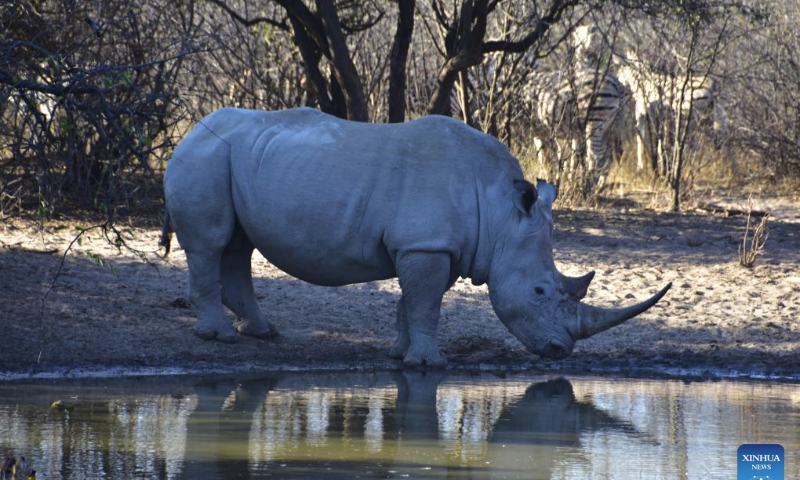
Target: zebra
(584, 111)
(582, 108)
(589, 45)
(659, 96)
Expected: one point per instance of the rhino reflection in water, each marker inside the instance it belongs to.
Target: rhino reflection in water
(334, 202)
(229, 435)
(551, 418)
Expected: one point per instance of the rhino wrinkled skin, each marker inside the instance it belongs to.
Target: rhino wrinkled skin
(334, 202)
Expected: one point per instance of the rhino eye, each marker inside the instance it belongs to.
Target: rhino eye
(539, 290)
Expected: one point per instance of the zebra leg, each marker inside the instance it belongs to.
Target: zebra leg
(538, 151)
(596, 162)
(573, 157)
(557, 161)
(640, 141)
(639, 153)
(662, 158)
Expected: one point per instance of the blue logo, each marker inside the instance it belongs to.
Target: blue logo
(760, 462)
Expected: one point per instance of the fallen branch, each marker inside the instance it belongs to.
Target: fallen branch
(729, 211)
(19, 248)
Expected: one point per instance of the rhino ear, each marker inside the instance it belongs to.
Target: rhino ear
(547, 193)
(524, 196)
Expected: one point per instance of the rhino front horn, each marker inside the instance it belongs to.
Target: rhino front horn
(594, 320)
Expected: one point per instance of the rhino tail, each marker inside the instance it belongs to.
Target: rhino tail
(166, 233)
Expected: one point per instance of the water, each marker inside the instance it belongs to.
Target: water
(396, 425)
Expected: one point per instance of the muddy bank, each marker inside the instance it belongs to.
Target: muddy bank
(109, 308)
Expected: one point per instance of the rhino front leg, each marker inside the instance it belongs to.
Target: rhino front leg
(237, 287)
(424, 278)
(402, 342)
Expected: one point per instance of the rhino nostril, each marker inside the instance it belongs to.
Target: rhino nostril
(539, 290)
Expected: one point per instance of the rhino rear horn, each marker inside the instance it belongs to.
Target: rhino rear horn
(594, 320)
(577, 287)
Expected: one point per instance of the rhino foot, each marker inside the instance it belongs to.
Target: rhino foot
(399, 349)
(424, 357)
(255, 329)
(226, 335)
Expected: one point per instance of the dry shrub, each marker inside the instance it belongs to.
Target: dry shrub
(755, 237)
(89, 102)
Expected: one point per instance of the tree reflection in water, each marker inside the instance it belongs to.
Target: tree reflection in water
(369, 425)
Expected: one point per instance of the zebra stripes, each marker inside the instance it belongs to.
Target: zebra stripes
(583, 110)
(578, 109)
(577, 114)
(659, 98)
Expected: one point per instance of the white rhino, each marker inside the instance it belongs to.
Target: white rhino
(334, 202)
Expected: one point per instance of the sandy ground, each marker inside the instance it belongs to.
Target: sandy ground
(109, 309)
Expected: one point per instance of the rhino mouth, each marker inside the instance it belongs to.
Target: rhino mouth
(546, 347)
(555, 349)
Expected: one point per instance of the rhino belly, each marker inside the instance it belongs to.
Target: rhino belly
(332, 239)
(335, 270)
(325, 267)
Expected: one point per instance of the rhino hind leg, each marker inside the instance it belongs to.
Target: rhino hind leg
(204, 225)
(206, 296)
(424, 279)
(237, 287)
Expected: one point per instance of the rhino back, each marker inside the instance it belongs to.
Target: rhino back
(332, 202)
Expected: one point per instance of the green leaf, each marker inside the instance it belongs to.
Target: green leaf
(99, 261)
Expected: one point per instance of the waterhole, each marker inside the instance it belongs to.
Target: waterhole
(394, 425)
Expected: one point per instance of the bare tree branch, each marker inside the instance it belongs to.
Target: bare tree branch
(552, 17)
(249, 22)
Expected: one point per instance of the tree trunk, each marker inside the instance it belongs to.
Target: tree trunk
(399, 57)
(467, 37)
(311, 57)
(342, 64)
(439, 103)
(465, 45)
(463, 96)
(337, 99)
